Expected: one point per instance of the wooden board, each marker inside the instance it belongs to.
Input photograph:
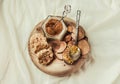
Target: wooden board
(57, 67)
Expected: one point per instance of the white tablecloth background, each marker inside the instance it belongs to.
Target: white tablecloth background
(100, 19)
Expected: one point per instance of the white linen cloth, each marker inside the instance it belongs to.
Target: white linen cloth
(100, 19)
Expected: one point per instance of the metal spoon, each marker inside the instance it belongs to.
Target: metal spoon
(77, 25)
(76, 55)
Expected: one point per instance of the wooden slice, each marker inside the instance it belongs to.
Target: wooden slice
(55, 65)
(84, 46)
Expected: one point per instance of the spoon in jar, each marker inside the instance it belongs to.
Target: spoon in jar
(73, 51)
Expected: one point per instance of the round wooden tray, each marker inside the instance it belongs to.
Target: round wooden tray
(59, 67)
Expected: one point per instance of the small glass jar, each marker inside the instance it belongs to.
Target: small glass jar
(54, 28)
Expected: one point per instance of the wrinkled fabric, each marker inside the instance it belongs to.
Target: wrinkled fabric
(100, 19)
